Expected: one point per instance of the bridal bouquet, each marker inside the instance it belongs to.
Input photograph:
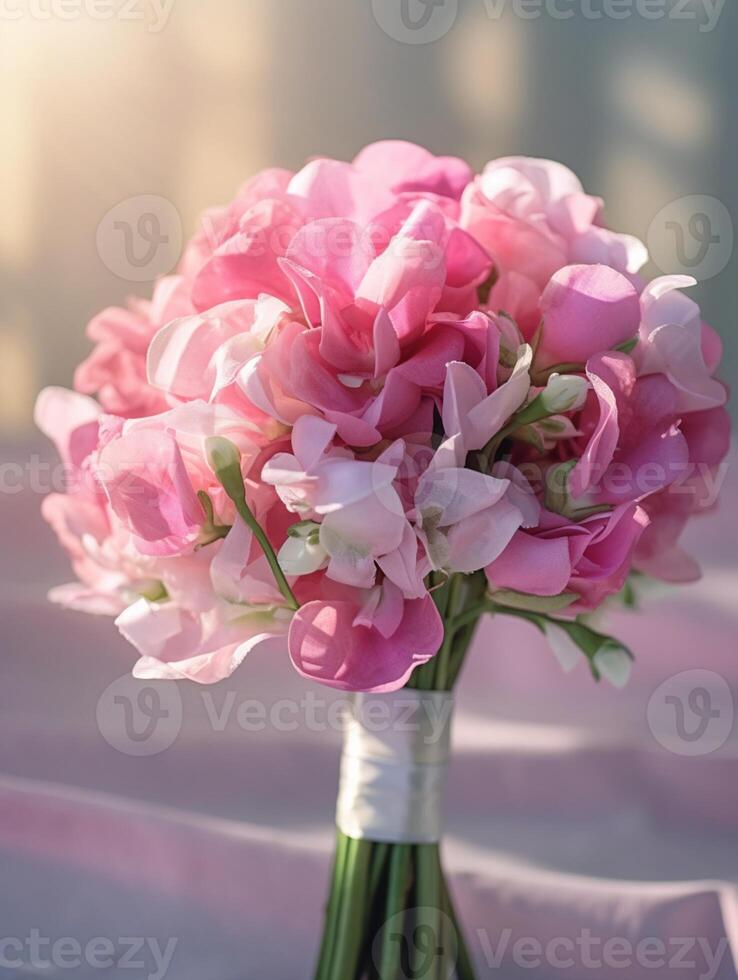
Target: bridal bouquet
(378, 400)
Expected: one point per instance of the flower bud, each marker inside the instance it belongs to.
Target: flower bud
(221, 453)
(614, 663)
(564, 393)
(302, 553)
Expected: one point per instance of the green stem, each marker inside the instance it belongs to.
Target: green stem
(353, 911)
(245, 511)
(429, 952)
(225, 460)
(331, 914)
(395, 907)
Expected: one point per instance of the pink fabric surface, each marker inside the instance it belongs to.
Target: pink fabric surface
(566, 816)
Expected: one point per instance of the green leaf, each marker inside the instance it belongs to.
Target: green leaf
(533, 603)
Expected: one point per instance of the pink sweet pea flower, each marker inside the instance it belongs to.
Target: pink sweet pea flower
(177, 644)
(591, 559)
(413, 168)
(149, 490)
(360, 513)
(223, 603)
(359, 343)
(115, 371)
(634, 447)
(585, 309)
(72, 422)
(465, 518)
(369, 641)
(674, 342)
(534, 218)
(241, 252)
(471, 417)
(110, 571)
(659, 553)
(152, 469)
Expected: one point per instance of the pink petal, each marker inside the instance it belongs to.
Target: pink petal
(413, 168)
(531, 564)
(326, 646)
(145, 479)
(488, 417)
(586, 309)
(455, 494)
(335, 250)
(70, 420)
(181, 356)
(311, 438)
(609, 375)
(477, 540)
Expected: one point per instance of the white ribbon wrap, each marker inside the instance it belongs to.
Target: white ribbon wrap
(395, 754)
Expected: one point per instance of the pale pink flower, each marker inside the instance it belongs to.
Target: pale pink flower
(676, 343)
(115, 371)
(360, 513)
(534, 218)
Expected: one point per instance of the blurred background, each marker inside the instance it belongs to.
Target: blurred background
(173, 103)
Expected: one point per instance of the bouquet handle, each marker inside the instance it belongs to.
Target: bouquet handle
(390, 915)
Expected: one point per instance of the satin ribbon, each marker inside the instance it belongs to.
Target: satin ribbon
(395, 755)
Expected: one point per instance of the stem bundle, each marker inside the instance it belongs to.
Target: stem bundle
(389, 914)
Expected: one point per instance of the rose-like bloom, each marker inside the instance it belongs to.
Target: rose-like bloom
(534, 218)
(115, 371)
(590, 559)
